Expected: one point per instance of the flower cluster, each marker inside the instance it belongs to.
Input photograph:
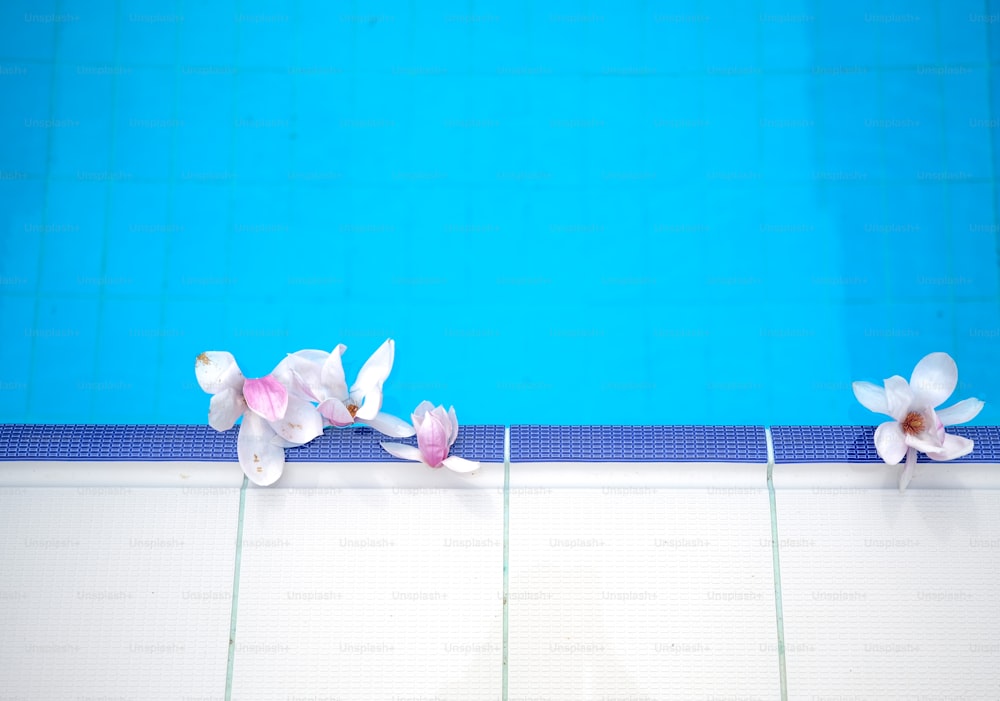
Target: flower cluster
(915, 425)
(308, 391)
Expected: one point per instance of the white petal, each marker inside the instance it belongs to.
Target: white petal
(402, 451)
(453, 423)
(225, 408)
(898, 396)
(370, 403)
(301, 423)
(872, 397)
(889, 442)
(376, 369)
(954, 447)
(458, 464)
(300, 373)
(925, 442)
(906, 474)
(316, 357)
(332, 375)
(424, 407)
(217, 371)
(965, 410)
(282, 443)
(934, 379)
(390, 425)
(936, 427)
(261, 460)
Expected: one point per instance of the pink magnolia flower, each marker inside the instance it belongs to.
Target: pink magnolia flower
(273, 419)
(436, 431)
(916, 426)
(318, 376)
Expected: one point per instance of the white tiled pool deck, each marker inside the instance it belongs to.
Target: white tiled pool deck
(614, 563)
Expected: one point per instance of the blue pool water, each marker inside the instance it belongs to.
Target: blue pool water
(563, 212)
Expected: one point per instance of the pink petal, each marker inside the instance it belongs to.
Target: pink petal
(934, 379)
(334, 411)
(432, 439)
(266, 397)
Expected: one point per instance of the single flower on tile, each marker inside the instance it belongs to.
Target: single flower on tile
(436, 431)
(318, 376)
(273, 418)
(916, 426)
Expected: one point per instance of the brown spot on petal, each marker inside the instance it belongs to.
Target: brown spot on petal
(291, 425)
(353, 409)
(204, 359)
(913, 424)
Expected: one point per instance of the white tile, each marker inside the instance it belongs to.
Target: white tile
(377, 592)
(116, 592)
(889, 595)
(626, 591)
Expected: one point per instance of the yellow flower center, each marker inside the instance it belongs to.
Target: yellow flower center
(913, 424)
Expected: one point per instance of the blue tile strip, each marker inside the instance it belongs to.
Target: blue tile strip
(792, 444)
(155, 443)
(638, 444)
(806, 444)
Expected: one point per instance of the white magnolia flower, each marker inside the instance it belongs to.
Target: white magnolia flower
(436, 431)
(916, 426)
(273, 418)
(318, 376)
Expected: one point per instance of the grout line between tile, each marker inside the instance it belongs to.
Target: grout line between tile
(236, 592)
(506, 554)
(778, 608)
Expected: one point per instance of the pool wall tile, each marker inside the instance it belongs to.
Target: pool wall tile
(94, 443)
(637, 444)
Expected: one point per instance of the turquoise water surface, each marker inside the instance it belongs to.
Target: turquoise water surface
(563, 212)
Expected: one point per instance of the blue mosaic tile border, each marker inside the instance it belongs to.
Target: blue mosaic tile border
(163, 443)
(806, 444)
(638, 444)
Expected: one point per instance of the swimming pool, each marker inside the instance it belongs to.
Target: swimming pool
(564, 213)
(571, 213)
